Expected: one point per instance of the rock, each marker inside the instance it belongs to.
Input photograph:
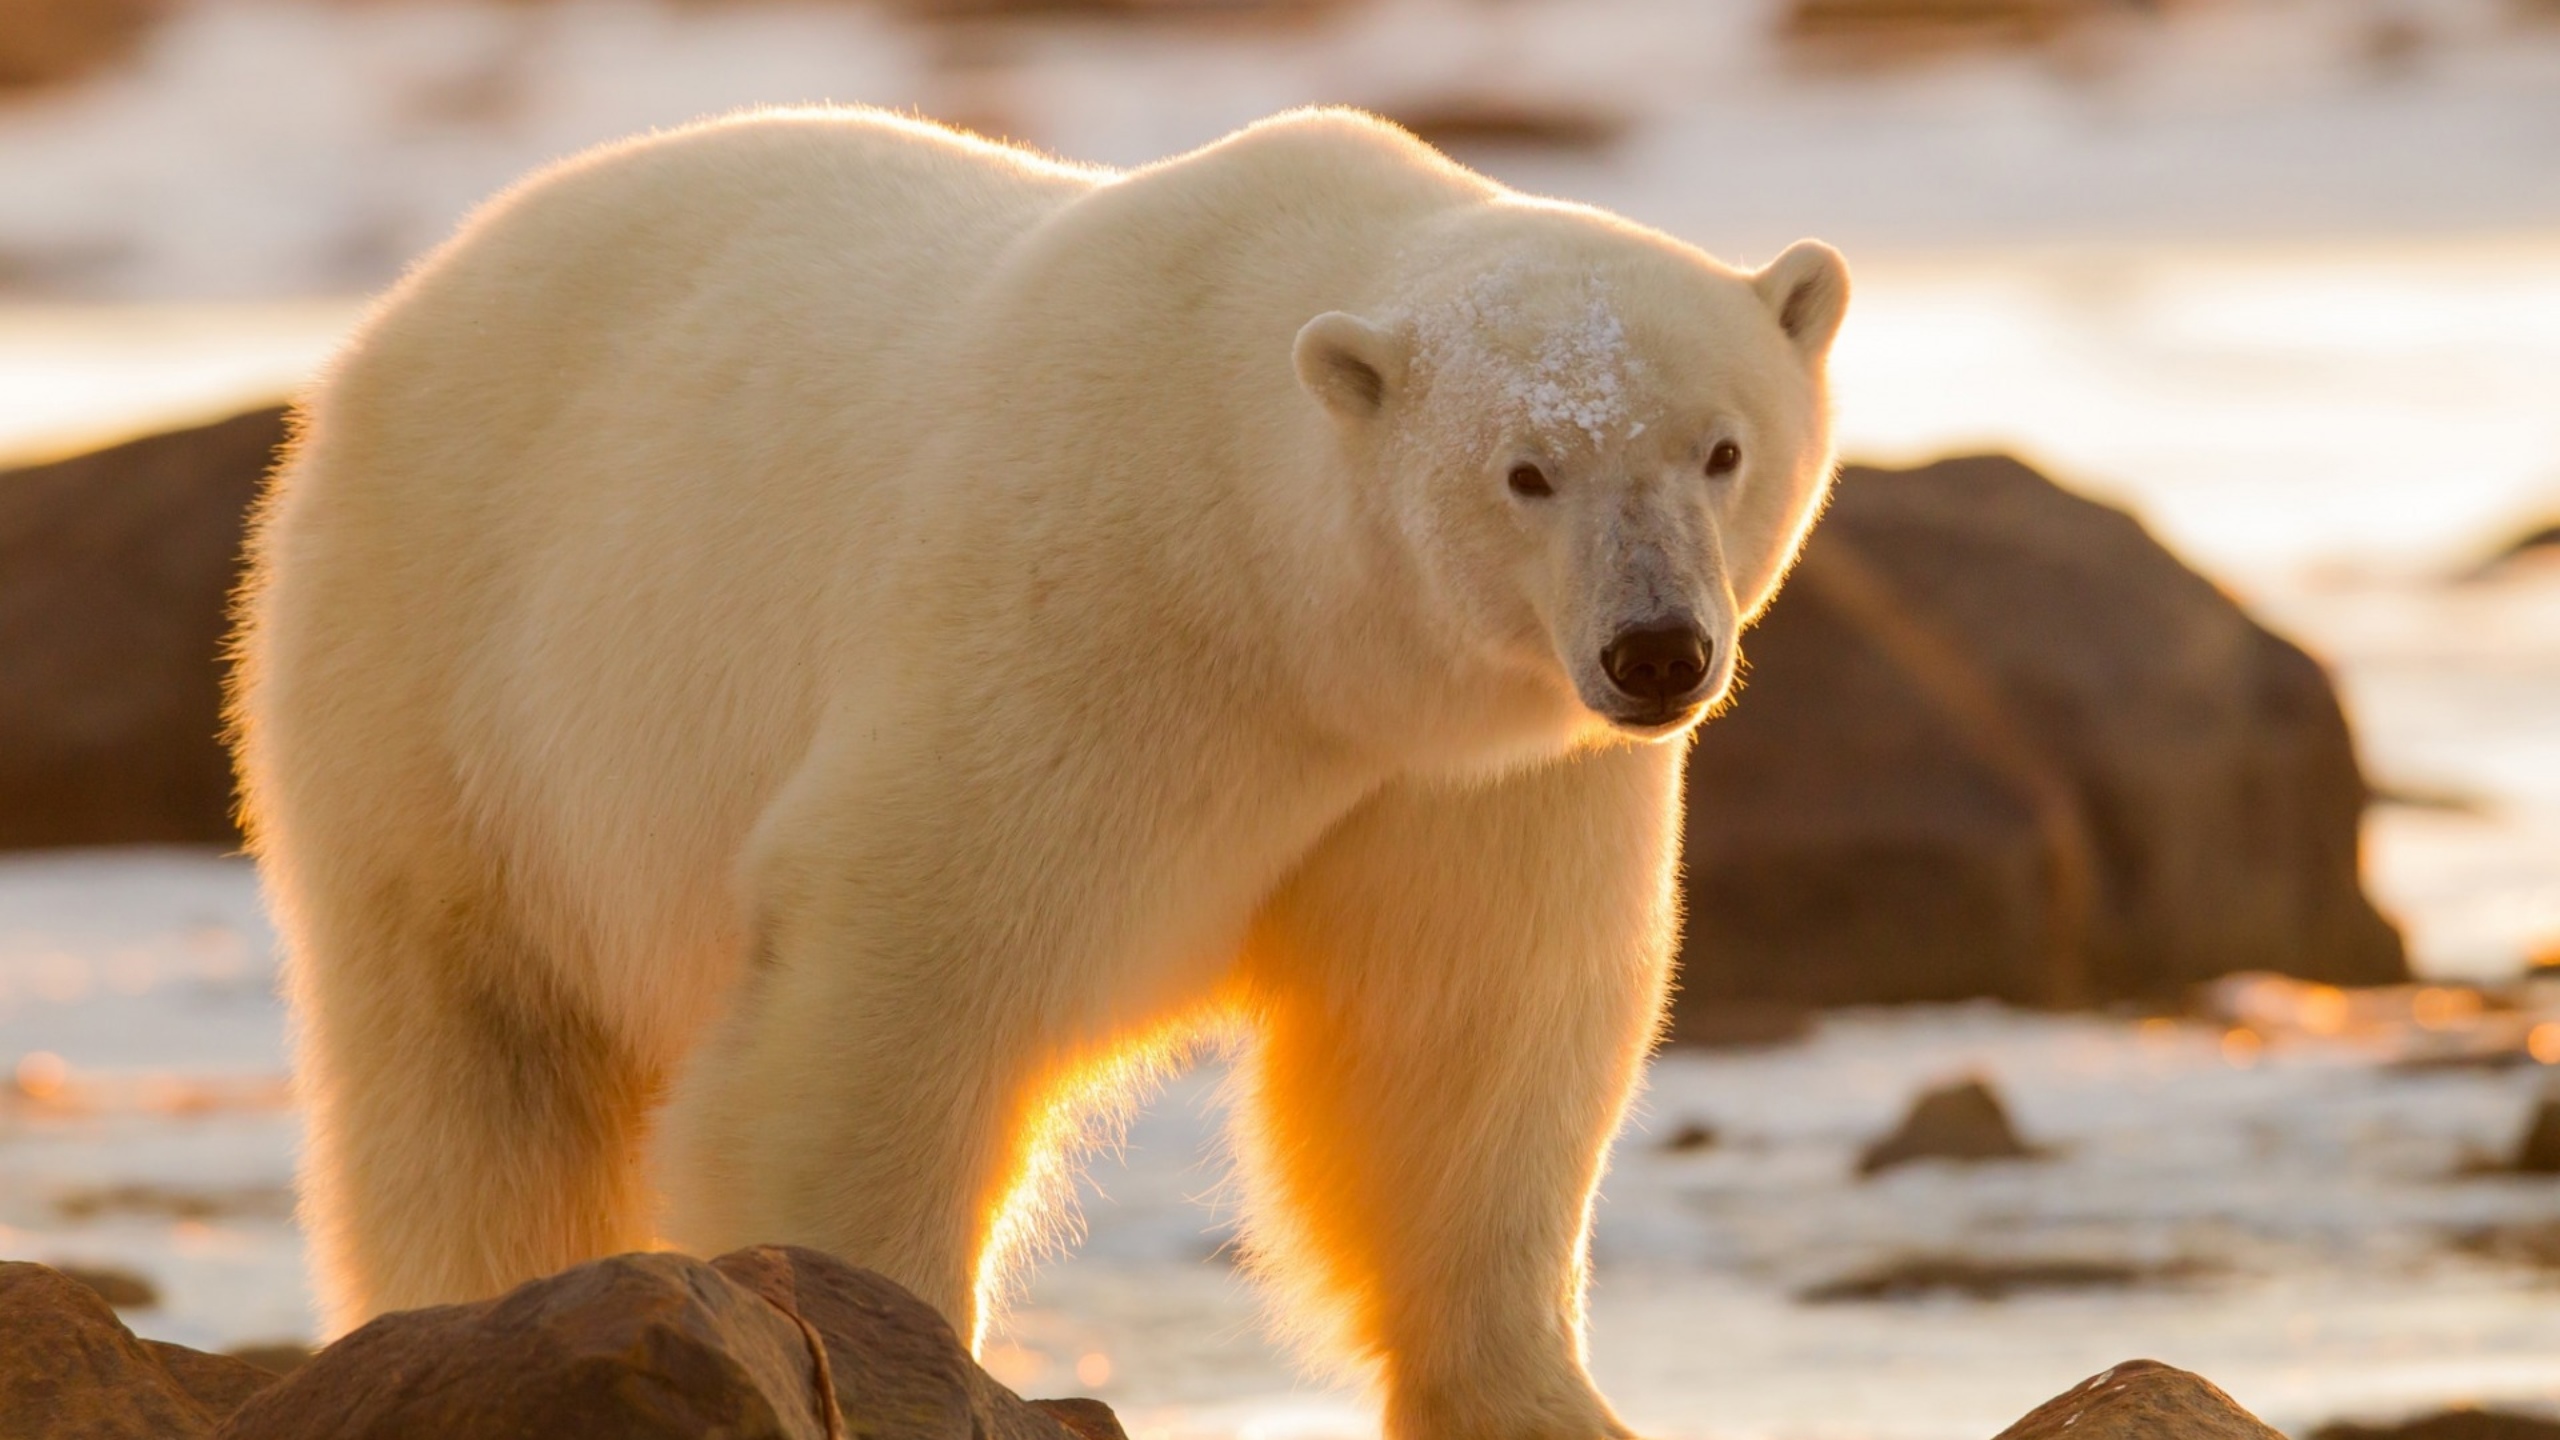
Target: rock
(1693, 1138)
(2538, 1149)
(1975, 1277)
(2141, 1400)
(1739, 1024)
(1465, 122)
(2541, 543)
(1996, 741)
(70, 1370)
(769, 1342)
(1890, 31)
(52, 42)
(2533, 1243)
(891, 1354)
(221, 1384)
(1083, 1419)
(631, 1346)
(121, 1288)
(2449, 1425)
(1961, 1121)
(114, 573)
(276, 1357)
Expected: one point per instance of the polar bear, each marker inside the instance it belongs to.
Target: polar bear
(793, 650)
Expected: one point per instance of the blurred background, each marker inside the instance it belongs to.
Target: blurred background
(2156, 761)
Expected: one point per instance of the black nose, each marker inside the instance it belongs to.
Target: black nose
(1659, 663)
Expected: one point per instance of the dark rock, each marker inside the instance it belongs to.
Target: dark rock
(2534, 1243)
(114, 572)
(1997, 741)
(1083, 1419)
(220, 1384)
(901, 1372)
(2538, 1149)
(1464, 122)
(1691, 1139)
(770, 1342)
(2141, 1400)
(121, 1288)
(2540, 543)
(276, 1357)
(633, 1346)
(2465, 1424)
(70, 1370)
(53, 42)
(1961, 1121)
(1915, 1276)
(1739, 1024)
(1873, 32)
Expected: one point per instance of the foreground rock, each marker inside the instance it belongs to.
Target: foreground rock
(772, 1343)
(1962, 1121)
(114, 568)
(2141, 1400)
(1996, 741)
(70, 1370)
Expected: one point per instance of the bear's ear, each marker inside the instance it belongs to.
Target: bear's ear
(1349, 364)
(1807, 288)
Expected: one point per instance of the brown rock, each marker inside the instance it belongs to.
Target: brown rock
(1084, 1419)
(1888, 32)
(220, 1384)
(1975, 1277)
(632, 1346)
(1693, 1138)
(775, 1341)
(1739, 1024)
(897, 1366)
(2538, 1149)
(1464, 122)
(2141, 1400)
(49, 42)
(1961, 1121)
(121, 1288)
(69, 1370)
(114, 570)
(1997, 741)
(276, 1357)
(2542, 542)
(2450, 1425)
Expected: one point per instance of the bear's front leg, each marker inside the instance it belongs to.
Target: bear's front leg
(951, 944)
(1457, 995)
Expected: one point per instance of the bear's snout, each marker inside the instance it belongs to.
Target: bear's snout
(1661, 664)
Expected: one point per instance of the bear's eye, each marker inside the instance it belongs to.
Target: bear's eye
(1724, 459)
(1530, 481)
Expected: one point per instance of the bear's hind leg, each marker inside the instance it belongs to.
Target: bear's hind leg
(1455, 997)
(469, 1127)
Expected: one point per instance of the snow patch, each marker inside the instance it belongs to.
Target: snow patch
(1577, 376)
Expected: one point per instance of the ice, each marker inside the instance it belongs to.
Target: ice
(2320, 1193)
(1575, 379)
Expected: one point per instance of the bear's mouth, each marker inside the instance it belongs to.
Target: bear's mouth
(1655, 722)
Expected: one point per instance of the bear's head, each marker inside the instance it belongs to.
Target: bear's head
(1601, 449)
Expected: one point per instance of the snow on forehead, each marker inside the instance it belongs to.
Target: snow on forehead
(1578, 372)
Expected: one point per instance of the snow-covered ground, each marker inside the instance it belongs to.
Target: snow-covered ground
(2306, 1198)
(2281, 275)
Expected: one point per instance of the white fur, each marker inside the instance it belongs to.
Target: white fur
(869, 637)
